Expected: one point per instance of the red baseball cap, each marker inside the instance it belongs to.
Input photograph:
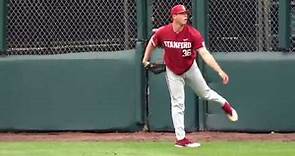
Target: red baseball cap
(178, 9)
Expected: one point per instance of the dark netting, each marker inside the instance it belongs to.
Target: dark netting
(292, 26)
(58, 26)
(161, 11)
(243, 25)
(235, 25)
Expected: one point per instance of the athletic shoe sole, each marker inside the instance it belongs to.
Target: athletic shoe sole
(234, 117)
(193, 145)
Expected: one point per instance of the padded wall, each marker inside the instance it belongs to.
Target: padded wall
(261, 89)
(86, 91)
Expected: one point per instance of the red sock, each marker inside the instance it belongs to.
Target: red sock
(227, 108)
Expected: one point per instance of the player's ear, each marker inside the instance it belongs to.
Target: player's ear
(173, 17)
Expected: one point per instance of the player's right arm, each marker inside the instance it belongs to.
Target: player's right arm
(150, 48)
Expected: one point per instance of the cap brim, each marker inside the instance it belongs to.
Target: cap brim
(187, 11)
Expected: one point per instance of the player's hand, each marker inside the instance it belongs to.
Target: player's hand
(146, 64)
(224, 77)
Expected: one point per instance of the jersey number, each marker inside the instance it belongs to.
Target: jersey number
(186, 52)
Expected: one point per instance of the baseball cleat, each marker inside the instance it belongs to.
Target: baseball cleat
(231, 113)
(186, 143)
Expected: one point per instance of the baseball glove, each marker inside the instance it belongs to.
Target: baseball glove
(155, 68)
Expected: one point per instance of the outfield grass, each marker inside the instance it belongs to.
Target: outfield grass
(145, 149)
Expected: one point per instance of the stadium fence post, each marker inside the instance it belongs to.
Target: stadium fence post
(3, 26)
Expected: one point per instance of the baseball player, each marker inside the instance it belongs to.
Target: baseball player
(182, 44)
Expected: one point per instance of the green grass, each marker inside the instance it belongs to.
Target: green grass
(145, 149)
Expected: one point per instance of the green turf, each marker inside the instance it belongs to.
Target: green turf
(145, 149)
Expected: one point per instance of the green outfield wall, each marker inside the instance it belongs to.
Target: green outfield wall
(261, 89)
(86, 91)
(105, 92)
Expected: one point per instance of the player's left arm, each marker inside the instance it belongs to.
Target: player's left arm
(211, 62)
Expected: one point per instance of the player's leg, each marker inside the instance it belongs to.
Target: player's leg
(175, 85)
(197, 82)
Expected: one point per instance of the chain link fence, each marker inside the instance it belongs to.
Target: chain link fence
(57, 26)
(54, 27)
(161, 11)
(235, 25)
(243, 25)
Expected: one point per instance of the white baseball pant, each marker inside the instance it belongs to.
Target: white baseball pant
(194, 78)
